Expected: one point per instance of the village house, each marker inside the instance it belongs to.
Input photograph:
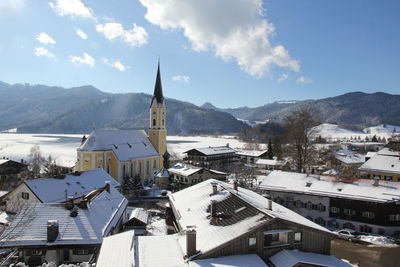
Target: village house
(129, 153)
(270, 164)
(137, 219)
(12, 173)
(363, 205)
(251, 156)
(56, 190)
(211, 157)
(69, 232)
(187, 175)
(383, 165)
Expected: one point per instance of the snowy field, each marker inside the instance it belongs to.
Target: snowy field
(62, 147)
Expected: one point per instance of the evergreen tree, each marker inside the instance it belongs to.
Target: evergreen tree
(374, 139)
(270, 151)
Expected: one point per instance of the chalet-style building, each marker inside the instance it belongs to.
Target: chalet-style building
(270, 164)
(369, 206)
(211, 157)
(129, 153)
(137, 219)
(384, 165)
(70, 232)
(12, 173)
(251, 156)
(187, 175)
(56, 190)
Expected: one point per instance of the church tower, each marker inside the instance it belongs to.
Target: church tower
(158, 119)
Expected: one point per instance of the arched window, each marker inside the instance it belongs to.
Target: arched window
(154, 122)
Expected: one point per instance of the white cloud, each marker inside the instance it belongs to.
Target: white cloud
(233, 29)
(86, 59)
(137, 36)
(81, 34)
(283, 77)
(74, 8)
(115, 64)
(13, 4)
(181, 78)
(43, 52)
(44, 38)
(303, 79)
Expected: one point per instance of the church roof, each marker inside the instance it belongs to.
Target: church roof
(158, 94)
(126, 144)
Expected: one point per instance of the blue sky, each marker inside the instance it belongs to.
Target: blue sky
(227, 52)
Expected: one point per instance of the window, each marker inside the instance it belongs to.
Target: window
(320, 221)
(349, 212)
(148, 167)
(334, 210)
(309, 205)
(394, 217)
(388, 178)
(368, 214)
(82, 251)
(349, 225)
(365, 229)
(333, 224)
(297, 204)
(252, 243)
(297, 237)
(123, 170)
(33, 252)
(163, 122)
(321, 207)
(275, 237)
(131, 169)
(25, 195)
(155, 164)
(154, 122)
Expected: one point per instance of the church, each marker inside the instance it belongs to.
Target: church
(129, 153)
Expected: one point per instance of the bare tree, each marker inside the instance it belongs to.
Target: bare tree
(298, 131)
(36, 160)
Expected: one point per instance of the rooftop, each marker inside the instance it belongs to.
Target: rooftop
(54, 190)
(216, 150)
(385, 160)
(126, 144)
(251, 153)
(187, 170)
(117, 250)
(269, 162)
(303, 183)
(349, 157)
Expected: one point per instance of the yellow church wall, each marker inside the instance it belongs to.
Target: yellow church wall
(87, 161)
(112, 162)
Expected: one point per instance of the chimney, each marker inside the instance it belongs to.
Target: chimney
(52, 230)
(190, 242)
(213, 208)
(376, 181)
(235, 185)
(214, 188)
(107, 186)
(70, 203)
(269, 202)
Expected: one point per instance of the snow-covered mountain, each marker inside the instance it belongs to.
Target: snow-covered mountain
(382, 129)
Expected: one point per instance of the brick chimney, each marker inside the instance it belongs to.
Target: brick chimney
(52, 230)
(235, 185)
(70, 203)
(190, 242)
(214, 188)
(269, 202)
(107, 186)
(376, 181)
(213, 208)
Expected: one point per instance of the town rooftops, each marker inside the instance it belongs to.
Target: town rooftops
(386, 160)
(290, 258)
(117, 250)
(251, 153)
(216, 150)
(54, 190)
(349, 157)
(89, 226)
(243, 211)
(139, 215)
(126, 144)
(269, 162)
(187, 170)
(303, 183)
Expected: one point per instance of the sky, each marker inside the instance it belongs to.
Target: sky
(228, 52)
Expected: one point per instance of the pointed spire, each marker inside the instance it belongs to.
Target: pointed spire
(158, 94)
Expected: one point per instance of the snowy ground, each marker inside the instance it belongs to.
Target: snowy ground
(62, 147)
(378, 240)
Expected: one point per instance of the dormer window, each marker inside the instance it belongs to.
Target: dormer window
(154, 122)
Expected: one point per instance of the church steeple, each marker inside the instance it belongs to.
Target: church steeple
(158, 94)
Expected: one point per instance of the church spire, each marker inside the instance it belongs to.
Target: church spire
(158, 94)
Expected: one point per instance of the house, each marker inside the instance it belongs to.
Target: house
(186, 175)
(384, 165)
(129, 153)
(251, 156)
(69, 232)
(56, 190)
(269, 164)
(211, 157)
(137, 219)
(12, 173)
(363, 205)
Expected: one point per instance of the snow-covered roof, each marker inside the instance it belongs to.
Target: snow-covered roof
(163, 173)
(191, 205)
(269, 162)
(139, 214)
(370, 154)
(53, 190)
(252, 260)
(2, 161)
(117, 250)
(349, 157)
(126, 144)
(289, 258)
(4, 218)
(251, 153)
(187, 170)
(29, 228)
(216, 150)
(328, 186)
(385, 160)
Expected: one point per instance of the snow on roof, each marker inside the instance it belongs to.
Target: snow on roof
(2, 161)
(289, 258)
(184, 169)
(54, 189)
(117, 250)
(370, 154)
(269, 162)
(126, 144)
(349, 157)
(251, 153)
(252, 260)
(385, 160)
(159, 251)
(216, 150)
(139, 214)
(163, 173)
(328, 186)
(2, 193)
(191, 206)
(29, 228)
(4, 218)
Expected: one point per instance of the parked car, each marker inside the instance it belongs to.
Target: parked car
(350, 235)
